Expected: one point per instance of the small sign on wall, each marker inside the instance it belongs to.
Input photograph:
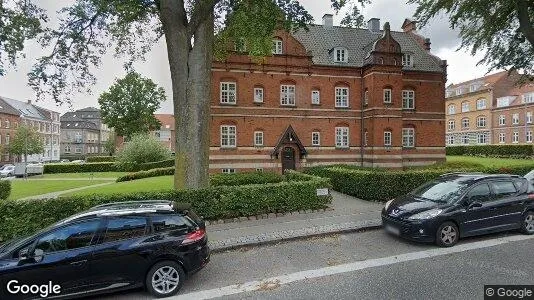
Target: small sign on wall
(323, 192)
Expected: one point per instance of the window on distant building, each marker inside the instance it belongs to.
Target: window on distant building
(465, 106)
(452, 125)
(481, 122)
(78, 149)
(228, 92)
(528, 137)
(258, 138)
(258, 95)
(465, 139)
(67, 149)
(366, 97)
(287, 94)
(482, 138)
(407, 60)
(408, 99)
(529, 117)
(228, 136)
(228, 171)
(387, 95)
(481, 104)
(452, 109)
(277, 46)
(340, 55)
(528, 98)
(342, 97)
(502, 138)
(316, 138)
(465, 123)
(502, 120)
(408, 137)
(8, 124)
(450, 140)
(342, 137)
(515, 119)
(8, 138)
(316, 97)
(515, 137)
(387, 138)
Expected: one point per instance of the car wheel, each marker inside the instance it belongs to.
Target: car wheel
(165, 279)
(527, 226)
(447, 235)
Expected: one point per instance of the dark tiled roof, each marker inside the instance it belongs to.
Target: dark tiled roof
(5, 108)
(320, 40)
(25, 108)
(488, 81)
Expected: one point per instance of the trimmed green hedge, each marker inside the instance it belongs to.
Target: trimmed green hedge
(100, 158)
(80, 168)
(22, 217)
(504, 151)
(155, 165)
(146, 174)
(245, 178)
(5, 189)
(381, 186)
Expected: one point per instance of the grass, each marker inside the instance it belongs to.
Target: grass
(81, 175)
(159, 183)
(25, 188)
(489, 161)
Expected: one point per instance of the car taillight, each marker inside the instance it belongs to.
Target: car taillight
(194, 236)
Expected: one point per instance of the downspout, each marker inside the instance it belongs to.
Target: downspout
(362, 132)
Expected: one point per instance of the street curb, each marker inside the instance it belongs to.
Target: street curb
(216, 248)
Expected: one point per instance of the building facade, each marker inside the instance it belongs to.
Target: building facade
(513, 116)
(9, 120)
(330, 95)
(83, 134)
(44, 121)
(166, 133)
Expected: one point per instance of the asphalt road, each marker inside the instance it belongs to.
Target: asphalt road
(368, 265)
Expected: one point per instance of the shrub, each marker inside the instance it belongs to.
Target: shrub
(100, 159)
(245, 178)
(156, 164)
(5, 189)
(22, 217)
(142, 148)
(146, 174)
(504, 151)
(80, 168)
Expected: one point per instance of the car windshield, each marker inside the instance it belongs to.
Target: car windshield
(441, 191)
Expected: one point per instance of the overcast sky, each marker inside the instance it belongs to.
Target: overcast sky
(462, 66)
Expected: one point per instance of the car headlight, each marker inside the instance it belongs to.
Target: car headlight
(426, 214)
(387, 204)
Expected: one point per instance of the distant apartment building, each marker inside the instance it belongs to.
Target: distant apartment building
(166, 133)
(513, 116)
(44, 121)
(83, 133)
(9, 120)
(470, 108)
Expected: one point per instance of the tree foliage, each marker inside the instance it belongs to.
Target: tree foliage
(130, 103)
(502, 29)
(27, 141)
(142, 148)
(109, 145)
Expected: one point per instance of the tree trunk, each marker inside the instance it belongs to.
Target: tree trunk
(190, 68)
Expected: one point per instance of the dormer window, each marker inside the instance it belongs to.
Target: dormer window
(340, 55)
(407, 60)
(277, 46)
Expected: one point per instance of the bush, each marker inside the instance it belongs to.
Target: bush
(100, 159)
(5, 189)
(154, 165)
(245, 178)
(146, 174)
(142, 148)
(22, 217)
(80, 168)
(503, 151)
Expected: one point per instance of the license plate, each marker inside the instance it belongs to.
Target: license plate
(392, 230)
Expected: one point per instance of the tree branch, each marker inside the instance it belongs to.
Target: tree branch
(525, 24)
(201, 11)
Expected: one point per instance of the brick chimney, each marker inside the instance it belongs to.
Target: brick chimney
(409, 25)
(29, 101)
(328, 21)
(373, 25)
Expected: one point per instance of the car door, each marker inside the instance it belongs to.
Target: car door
(59, 256)
(509, 201)
(121, 255)
(477, 212)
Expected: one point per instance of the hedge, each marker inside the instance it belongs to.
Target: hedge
(22, 217)
(146, 174)
(80, 168)
(154, 165)
(5, 189)
(245, 178)
(503, 151)
(100, 159)
(381, 186)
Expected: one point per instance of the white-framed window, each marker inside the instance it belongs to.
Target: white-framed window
(452, 124)
(465, 139)
(228, 136)
(366, 98)
(502, 138)
(502, 120)
(515, 137)
(452, 109)
(465, 123)
(342, 97)
(287, 94)
(407, 60)
(408, 137)
(529, 117)
(258, 95)
(8, 124)
(342, 137)
(528, 98)
(387, 138)
(481, 122)
(277, 46)
(387, 95)
(78, 149)
(482, 138)
(8, 138)
(316, 138)
(481, 104)
(473, 87)
(228, 92)
(515, 119)
(528, 136)
(340, 55)
(258, 138)
(228, 171)
(465, 106)
(316, 97)
(408, 99)
(67, 149)
(450, 140)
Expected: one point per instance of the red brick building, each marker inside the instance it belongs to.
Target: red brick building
(330, 95)
(166, 134)
(9, 121)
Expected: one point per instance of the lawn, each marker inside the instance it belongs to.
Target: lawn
(24, 188)
(490, 162)
(159, 183)
(82, 175)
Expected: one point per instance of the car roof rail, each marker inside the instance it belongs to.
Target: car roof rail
(461, 173)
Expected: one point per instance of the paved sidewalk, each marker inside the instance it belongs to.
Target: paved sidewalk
(349, 214)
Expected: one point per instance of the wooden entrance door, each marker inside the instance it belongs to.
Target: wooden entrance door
(288, 159)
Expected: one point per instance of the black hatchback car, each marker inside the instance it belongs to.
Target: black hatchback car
(151, 244)
(458, 205)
